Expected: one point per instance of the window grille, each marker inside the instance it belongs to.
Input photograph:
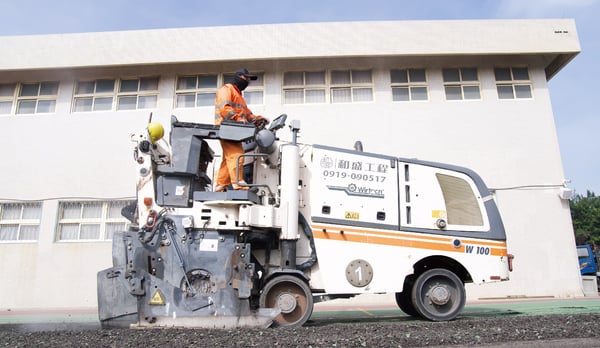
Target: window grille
(20, 221)
(90, 220)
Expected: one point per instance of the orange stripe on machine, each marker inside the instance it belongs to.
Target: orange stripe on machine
(409, 240)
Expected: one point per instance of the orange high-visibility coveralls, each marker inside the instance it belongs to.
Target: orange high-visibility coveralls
(231, 106)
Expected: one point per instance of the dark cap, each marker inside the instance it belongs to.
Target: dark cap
(245, 72)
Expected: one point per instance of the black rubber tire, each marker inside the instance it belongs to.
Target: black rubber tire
(403, 300)
(438, 279)
(282, 287)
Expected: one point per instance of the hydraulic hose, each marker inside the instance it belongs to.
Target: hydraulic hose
(313, 253)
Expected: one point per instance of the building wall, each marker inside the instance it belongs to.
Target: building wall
(512, 144)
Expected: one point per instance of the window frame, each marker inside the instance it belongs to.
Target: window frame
(197, 90)
(9, 98)
(103, 220)
(411, 85)
(138, 94)
(115, 95)
(21, 222)
(39, 97)
(461, 83)
(254, 87)
(329, 86)
(351, 85)
(513, 83)
(18, 98)
(304, 87)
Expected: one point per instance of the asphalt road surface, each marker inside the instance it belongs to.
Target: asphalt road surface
(517, 324)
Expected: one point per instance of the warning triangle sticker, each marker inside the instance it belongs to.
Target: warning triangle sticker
(157, 299)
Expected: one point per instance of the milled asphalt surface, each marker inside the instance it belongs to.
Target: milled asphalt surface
(365, 307)
(378, 310)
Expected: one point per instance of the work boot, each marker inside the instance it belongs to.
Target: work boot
(242, 186)
(220, 188)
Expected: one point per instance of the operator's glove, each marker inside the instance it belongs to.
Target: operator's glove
(261, 122)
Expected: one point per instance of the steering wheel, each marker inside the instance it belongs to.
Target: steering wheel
(278, 123)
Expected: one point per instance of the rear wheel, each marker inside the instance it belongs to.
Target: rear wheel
(292, 296)
(438, 295)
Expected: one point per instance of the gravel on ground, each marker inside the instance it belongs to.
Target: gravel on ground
(378, 333)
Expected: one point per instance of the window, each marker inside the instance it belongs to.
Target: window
(20, 221)
(409, 84)
(461, 83)
(193, 91)
(200, 90)
(137, 94)
(94, 95)
(304, 87)
(344, 86)
(130, 94)
(349, 86)
(32, 98)
(93, 220)
(7, 97)
(513, 83)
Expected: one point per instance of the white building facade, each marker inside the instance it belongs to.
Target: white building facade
(469, 93)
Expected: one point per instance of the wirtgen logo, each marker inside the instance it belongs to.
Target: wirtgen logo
(354, 190)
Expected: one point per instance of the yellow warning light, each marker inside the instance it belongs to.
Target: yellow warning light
(157, 299)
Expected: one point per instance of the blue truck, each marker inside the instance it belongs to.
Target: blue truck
(588, 260)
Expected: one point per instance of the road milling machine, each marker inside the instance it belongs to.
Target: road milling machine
(316, 223)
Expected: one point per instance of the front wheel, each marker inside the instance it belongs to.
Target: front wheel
(292, 296)
(403, 301)
(438, 295)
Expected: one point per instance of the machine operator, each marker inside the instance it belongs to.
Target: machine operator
(231, 106)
